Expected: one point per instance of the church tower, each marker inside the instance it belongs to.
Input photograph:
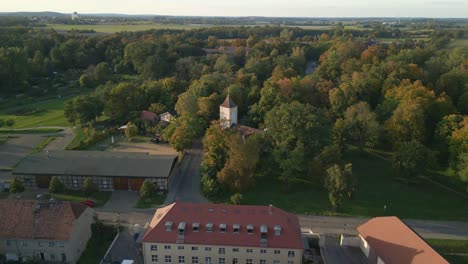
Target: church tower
(228, 113)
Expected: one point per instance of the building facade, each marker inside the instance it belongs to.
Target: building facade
(50, 232)
(222, 234)
(108, 170)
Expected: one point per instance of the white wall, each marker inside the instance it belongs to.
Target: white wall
(364, 246)
(350, 241)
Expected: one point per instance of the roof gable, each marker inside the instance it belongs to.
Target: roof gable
(228, 103)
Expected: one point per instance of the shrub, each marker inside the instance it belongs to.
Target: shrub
(56, 186)
(147, 189)
(2, 122)
(131, 130)
(16, 186)
(89, 188)
(10, 122)
(236, 198)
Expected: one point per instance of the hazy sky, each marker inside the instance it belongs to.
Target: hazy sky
(301, 8)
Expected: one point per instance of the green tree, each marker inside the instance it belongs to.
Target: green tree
(236, 198)
(103, 72)
(69, 111)
(183, 131)
(86, 81)
(411, 159)
(147, 189)
(361, 124)
(157, 108)
(89, 187)
(10, 122)
(55, 185)
(16, 186)
(215, 149)
(131, 130)
(124, 99)
(339, 184)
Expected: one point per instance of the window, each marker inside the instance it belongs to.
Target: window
(154, 258)
(64, 257)
(194, 248)
(208, 260)
(277, 229)
(290, 253)
(52, 256)
(167, 259)
(248, 261)
(167, 246)
(236, 228)
(235, 261)
(250, 229)
(196, 227)
(39, 244)
(222, 228)
(249, 250)
(221, 251)
(181, 259)
(277, 251)
(168, 226)
(262, 261)
(194, 260)
(290, 262)
(25, 243)
(222, 261)
(263, 251)
(209, 227)
(61, 244)
(235, 250)
(207, 249)
(276, 262)
(180, 247)
(154, 247)
(51, 243)
(8, 243)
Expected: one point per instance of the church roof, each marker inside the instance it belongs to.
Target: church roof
(228, 103)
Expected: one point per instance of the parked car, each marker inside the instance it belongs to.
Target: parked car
(155, 140)
(89, 203)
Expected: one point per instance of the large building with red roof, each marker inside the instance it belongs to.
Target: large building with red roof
(44, 231)
(222, 234)
(389, 240)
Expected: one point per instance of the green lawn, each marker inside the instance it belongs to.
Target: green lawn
(375, 189)
(151, 202)
(31, 131)
(97, 245)
(100, 198)
(45, 113)
(43, 144)
(456, 259)
(113, 28)
(448, 246)
(460, 43)
(79, 137)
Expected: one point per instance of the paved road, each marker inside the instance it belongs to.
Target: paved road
(62, 139)
(186, 185)
(425, 228)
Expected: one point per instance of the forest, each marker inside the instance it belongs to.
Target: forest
(313, 96)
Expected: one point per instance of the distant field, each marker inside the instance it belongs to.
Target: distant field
(46, 113)
(460, 43)
(113, 28)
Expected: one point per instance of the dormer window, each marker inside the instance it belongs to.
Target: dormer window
(236, 228)
(263, 231)
(209, 227)
(196, 227)
(168, 226)
(222, 228)
(277, 229)
(250, 229)
(181, 228)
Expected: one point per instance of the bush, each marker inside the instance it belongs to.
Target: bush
(147, 189)
(131, 130)
(56, 186)
(89, 188)
(10, 122)
(95, 139)
(16, 186)
(236, 198)
(2, 122)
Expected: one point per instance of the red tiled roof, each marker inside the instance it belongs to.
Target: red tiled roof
(217, 214)
(246, 130)
(228, 103)
(394, 242)
(20, 221)
(147, 115)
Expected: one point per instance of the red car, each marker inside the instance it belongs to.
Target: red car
(89, 203)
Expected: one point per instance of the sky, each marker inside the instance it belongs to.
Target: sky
(276, 8)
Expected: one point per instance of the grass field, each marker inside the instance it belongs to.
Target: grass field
(30, 131)
(151, 202)
(45, 113)
(43, 144)
(447, 247)
(100, 198)
(460, 43)
(113, 28)
(97, 245)
(375, 189)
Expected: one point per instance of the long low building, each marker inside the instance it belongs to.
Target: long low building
(109, 170)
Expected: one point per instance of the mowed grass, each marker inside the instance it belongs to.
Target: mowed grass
(98, 245)
(446, 247)
(460, 43)
(47, 113)
(100, 198)
(113, 28)
(375, 189)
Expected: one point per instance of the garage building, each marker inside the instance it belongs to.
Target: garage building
(109, 170)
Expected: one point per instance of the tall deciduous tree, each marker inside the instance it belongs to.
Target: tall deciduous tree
(361, 124)
(339, 184)
(16, 186)
(411, 159)
(55, 185)
(89, 187)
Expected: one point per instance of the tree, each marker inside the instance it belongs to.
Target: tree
(157, 108)
(238, 172)
(55, 185)
(10, 122)
(103, 72)
(86, 81)
(16, 186)
(411, 159)
(407, 123)
(70, 112)
(361, 124)
(131, 130)
(89, 187)
(339, 184)
(147, 189)
(183, 131)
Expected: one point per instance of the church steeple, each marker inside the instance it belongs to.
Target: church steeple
(228, 112)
